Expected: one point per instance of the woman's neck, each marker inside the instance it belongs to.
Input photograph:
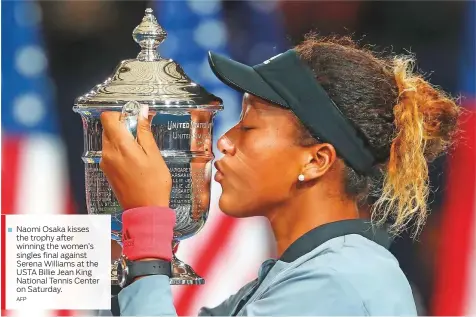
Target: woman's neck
(289, 222)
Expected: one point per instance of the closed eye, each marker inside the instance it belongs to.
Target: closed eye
(245, 128)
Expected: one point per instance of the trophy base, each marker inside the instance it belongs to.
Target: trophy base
(183, 274)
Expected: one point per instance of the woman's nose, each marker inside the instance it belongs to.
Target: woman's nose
(225, 145)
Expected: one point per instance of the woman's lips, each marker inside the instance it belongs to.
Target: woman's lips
(218, 175)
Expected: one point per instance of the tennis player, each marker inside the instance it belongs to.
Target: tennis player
(322, 126)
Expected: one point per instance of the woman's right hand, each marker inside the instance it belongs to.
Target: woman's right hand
(135, 170)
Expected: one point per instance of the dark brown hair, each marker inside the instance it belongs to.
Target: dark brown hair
(407, 122)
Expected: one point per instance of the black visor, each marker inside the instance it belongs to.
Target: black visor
(285, 80)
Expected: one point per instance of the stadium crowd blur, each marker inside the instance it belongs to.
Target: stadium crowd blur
(85, 40)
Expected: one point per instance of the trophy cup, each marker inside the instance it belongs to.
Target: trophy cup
(182, 127)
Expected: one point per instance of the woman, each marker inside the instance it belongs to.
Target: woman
(322, 126)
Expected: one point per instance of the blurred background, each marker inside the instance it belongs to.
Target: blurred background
(55, 51)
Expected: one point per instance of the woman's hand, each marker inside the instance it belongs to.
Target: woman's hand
(135, 170)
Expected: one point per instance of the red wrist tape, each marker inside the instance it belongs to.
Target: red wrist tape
(147, 232)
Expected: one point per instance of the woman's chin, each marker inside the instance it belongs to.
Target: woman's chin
(232, 207)
(228, 206)
(224, 206)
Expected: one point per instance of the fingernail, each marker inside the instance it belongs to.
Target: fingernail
(144, 111)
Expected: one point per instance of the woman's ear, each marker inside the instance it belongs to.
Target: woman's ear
(320, 159)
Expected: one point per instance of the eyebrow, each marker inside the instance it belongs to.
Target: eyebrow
(260, 108)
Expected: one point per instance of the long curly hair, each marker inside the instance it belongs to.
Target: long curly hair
(406, 121)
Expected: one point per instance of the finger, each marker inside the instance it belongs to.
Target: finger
(115, 130)
(107, 146)
(107, 151)
(117, 140)
(144, 134)
(109, 120)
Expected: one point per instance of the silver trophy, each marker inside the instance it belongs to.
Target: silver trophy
(182, 126)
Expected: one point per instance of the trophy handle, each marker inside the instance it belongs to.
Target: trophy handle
(130, 116)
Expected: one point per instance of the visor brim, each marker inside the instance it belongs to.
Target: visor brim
(243, 78)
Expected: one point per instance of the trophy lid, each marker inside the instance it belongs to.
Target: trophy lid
(150, 79)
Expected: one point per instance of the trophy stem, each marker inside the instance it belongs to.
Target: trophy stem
(114, 276)
(182, 273)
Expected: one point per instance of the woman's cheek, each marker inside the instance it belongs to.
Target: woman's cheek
(258, 144)
(247, 168)
(258, 155)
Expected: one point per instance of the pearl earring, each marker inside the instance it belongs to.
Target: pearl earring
(301, 177)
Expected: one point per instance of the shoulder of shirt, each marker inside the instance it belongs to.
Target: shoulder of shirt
(354, 253)
(348, 273)
(352, 256)
(347, 258)
(356, 265)
(322, 280)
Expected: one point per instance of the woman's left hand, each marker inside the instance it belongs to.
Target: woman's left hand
(135, 170)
